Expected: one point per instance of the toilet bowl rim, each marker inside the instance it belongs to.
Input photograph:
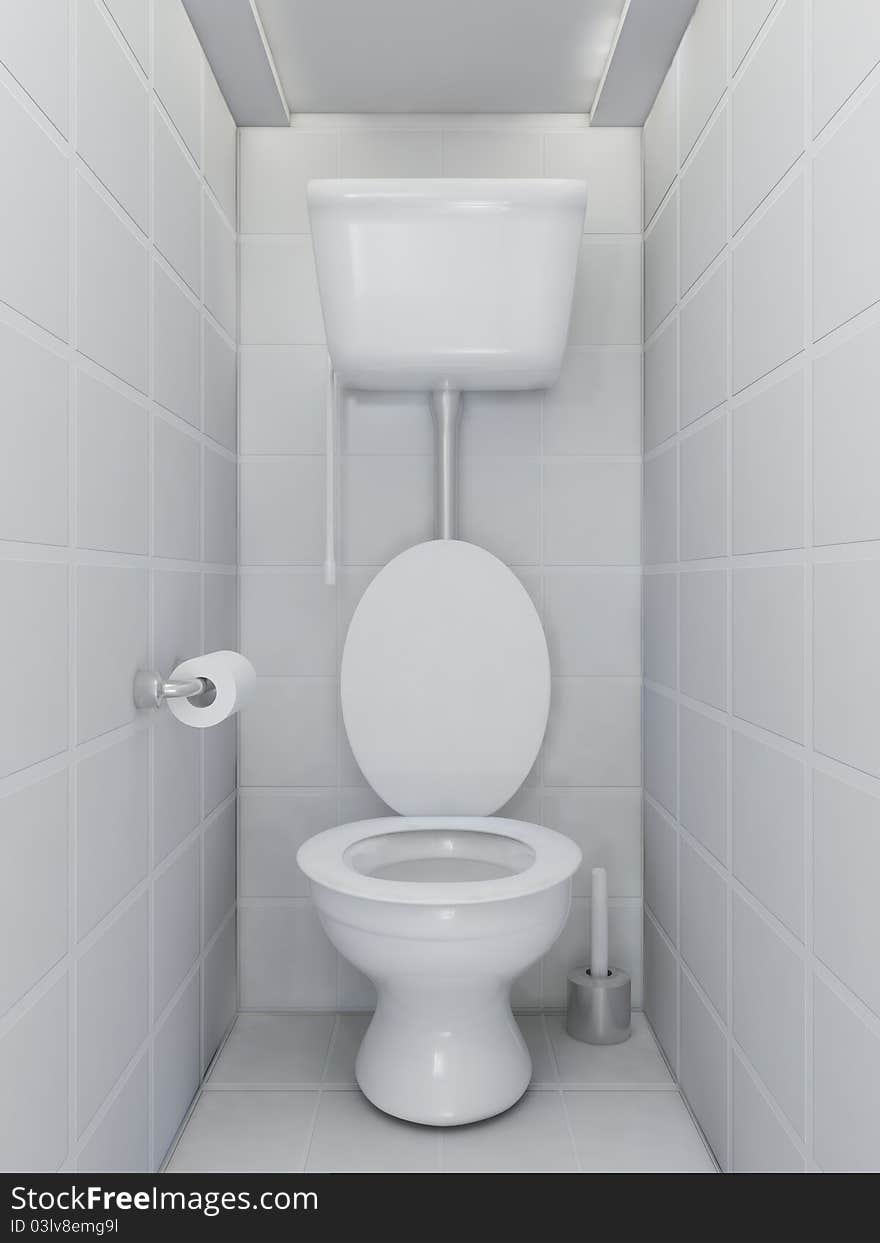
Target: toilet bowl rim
(322, 859)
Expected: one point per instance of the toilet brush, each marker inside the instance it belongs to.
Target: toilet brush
(599, 997)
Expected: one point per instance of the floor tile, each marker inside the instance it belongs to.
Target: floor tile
(532, 1136)
(274, 1049)
(347, 1037)
(635, 1062)
(535, 1036)
(635, 1132)
(246, 1132)
(352, 1136)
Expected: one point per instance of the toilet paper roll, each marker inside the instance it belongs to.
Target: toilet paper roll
(234, 678)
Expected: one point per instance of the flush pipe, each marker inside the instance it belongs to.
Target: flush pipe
(445, 408)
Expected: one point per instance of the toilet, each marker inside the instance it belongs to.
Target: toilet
(445, 687)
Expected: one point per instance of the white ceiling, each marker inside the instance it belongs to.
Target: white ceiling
(440, 55)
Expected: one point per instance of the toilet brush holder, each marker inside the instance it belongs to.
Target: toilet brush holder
(599, 1010)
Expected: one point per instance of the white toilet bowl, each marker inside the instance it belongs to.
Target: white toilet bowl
(442, 914)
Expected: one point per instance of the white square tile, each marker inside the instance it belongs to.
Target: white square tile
(846, 47)
(246, 1132)
(177, 70)
(107, 1037)
(661, 629)
(768, 112)
(593, 733)
(846, 441)
(221, 282)
(661, 749)
(176, 356)
(283, 389)
(703, 927)
(221, 753)
(282, 511)
(279, 292)
(703, 212)
(606, 824)
(607, 304)
(661, 990)
(219, 867)
(347, 1036)
(768, 827)
(661, 507)
(610, 161)
(704, 332)
(288, 623)
(491, 421)
(33, 627)
(112, 291)
(702, 70)
(36, 52)
(703, 641)
(595, 406)
(220, 143)
(274, 1049)
(177, 775)
(112, 113)
(768, 289)
(592, 513)
(768, 468)
(661, 264)
(134, 24)
(846, 1094)
(768, 1008)
(387, 505)
(33, 1067)
(288, 733)
(499, 506)
(661, 386)
(112, 827)
(286, 961)
(276, 166)
(703, 809)
(661, 143)
(221, 612)
(393, 423)
(530, 1137)
(113, 469)
(635, 1132)
(703, 1070)
(34, 272)
(273, 824)
(661, 870)
(390, 153)
(220, 390)
(112, 623)
(746, 19)
(33, 884)
(703, 459)
(176, 492)
(845, 663)
(221, 512)
(534, 1033)
(761, 1144)
(635, 1062)
(488, 153)
(121, 1141)
(176, 925)
(176, 1067)
(846, 847)
(33, 458)
(768, 648)
(352, 1135)
(219, 989)
(177, 627)
(177, 204)
(593, 622)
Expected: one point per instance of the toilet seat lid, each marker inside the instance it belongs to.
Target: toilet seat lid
(445, 681)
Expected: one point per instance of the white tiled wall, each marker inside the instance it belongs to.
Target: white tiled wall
(117, 551)
(762, 587)
(551, 484)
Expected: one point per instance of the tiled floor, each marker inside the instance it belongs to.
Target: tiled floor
(281, 1097)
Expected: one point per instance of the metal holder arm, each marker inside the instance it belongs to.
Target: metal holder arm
(150, 691)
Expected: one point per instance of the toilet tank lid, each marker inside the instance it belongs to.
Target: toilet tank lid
(445, 681)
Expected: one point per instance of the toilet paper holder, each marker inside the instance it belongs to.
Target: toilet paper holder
(151, 690)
